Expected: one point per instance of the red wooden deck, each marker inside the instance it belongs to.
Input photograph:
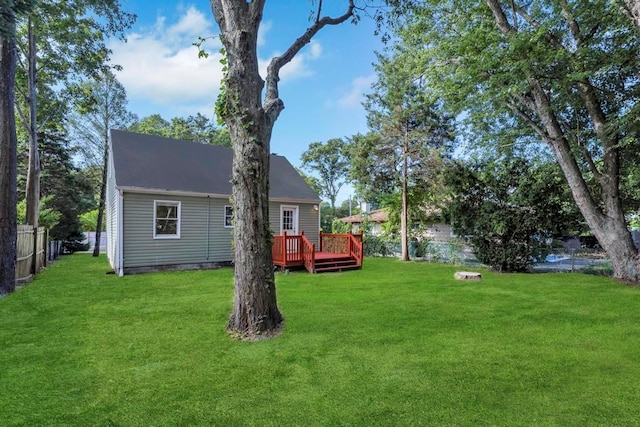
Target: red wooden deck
(342, 252)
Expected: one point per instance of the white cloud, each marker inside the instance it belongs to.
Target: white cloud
(355, 96)
(264, 28)
(299, 66)
(161, 65)
(162, 71)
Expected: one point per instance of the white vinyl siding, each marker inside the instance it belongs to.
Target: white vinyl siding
(112, 210)
(307, 219)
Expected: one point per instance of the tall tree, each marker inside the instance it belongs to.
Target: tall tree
(250, 122)
(414, 133)
(104, 108)
(564, 72)
(60, 41)
(330, 161)
(8, 143)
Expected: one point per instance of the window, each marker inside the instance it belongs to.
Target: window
(228, 216)
(166, 220)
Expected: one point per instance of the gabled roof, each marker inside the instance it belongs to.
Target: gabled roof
(150, 162)
(378, 215)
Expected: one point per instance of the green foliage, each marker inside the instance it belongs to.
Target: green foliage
(490, 76)
(48, 217)
(88, 221)
(330, 162)
(10, 12)
(198, 128)
(340, 227)
(64, 186)
(508, 209)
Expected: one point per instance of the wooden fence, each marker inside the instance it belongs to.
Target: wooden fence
(33, 251)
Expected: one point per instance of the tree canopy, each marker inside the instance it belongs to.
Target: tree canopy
(554, 72)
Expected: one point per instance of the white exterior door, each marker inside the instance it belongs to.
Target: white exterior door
(289, 219)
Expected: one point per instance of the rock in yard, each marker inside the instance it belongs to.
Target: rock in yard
(467, 275)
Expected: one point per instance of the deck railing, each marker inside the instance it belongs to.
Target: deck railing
(291, 250)
(344, 243)
(296, 250)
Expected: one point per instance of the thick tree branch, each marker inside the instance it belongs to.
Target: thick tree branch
(501, 18)
(528, 120)
(273, 105)
(23, 118)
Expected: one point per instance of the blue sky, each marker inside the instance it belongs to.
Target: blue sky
(322, 88)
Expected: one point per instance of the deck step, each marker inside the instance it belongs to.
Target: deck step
(339, 264)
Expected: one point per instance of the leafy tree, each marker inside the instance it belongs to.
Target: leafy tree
(509, 208)
(329, 161)
(311, 181)
(414, 133)
(198, 128)
(58, 43)
(152, 125)
(558, 72)
(250, 118)
(104, 107)
(48, 217)
(8, 142)
(65, 187)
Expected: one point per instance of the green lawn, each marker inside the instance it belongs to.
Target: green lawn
(392, 344)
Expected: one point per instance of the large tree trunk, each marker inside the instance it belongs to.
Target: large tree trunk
(255, 310)
(33, 171)
(608, 225)
(8, 162)
(605, 217)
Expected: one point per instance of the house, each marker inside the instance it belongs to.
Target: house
(376, 218)
(168, 203)
(435, 230)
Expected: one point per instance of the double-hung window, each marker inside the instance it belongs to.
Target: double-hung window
(166, 219)
(228, 216)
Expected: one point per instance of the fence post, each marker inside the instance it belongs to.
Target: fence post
(45, 246)
(34, 253)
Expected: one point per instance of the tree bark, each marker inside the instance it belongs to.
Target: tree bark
(8, 158)
(605, 217)
(404, 219)
(632, 9)
(250, 123)
(33, 171)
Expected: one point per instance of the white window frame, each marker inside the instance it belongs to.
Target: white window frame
(225, 216)
(155, 219)
(296, 214)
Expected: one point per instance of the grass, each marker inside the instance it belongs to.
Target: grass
(392, 344)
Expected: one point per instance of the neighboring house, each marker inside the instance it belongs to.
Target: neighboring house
(376, 218)
(168, 203)
(434, 231)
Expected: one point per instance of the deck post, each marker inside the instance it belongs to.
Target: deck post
(301, 246)
(284, 248)
(320, 239)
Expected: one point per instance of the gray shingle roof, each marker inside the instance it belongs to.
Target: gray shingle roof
(157, 163)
